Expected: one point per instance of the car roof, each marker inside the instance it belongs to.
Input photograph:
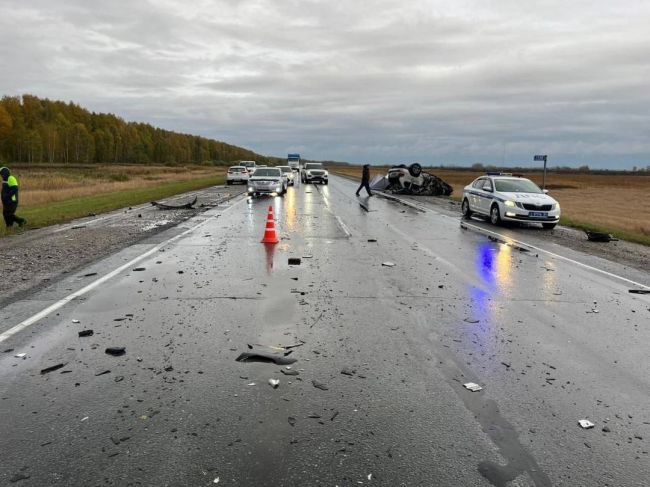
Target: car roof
(232, 167)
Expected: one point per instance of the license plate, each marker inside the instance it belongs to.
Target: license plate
(538, 213)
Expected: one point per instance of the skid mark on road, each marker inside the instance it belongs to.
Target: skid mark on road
(70, 297)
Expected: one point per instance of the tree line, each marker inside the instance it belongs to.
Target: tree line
(35, 130)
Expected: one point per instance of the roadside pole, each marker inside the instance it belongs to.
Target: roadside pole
(542, 158)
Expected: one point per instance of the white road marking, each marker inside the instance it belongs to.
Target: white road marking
(553, 254)
(343, 226)
(59, 304)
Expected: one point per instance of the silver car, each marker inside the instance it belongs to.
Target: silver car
(267, 180)
(287, 172)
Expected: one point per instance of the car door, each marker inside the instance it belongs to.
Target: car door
(475, 192)
(487, 194)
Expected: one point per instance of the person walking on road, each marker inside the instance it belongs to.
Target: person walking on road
(9, 198)
(365, 180)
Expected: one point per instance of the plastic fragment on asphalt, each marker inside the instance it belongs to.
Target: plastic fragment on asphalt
(274, 383)
(294, 260)
(585, 424)
(20, 355)
(52, 368)
(116, 351)
(372, 240)
(102, 373)
(291, 420)
(388, 264)
(265, 357)
(307, 256)
(472, 386)
(639, 291)
(319, 385)
(289, 372)
(86, 333)
(84, 419)
(76, 321)
(348, 371)
(138, 269)
(251, 384)
(216, 481)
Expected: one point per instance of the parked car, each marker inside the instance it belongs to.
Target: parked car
(287, 172)
(267, 180)
(237, 174)
(504, 197)
(314, 172)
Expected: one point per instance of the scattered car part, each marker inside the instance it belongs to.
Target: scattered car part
(600, 237)
(164, 206)
(388, 264)
(472, 386)
(275, 383)
(47, 370)
(411, 179)
(294, 261)
(116, 351)
(585, 424)
(86, 333)
(265, 357)
(320, 385)
(639, 291)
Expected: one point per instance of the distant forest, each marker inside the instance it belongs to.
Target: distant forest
(35, 130)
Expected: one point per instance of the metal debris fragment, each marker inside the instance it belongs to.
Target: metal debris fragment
(388, 264)
(585, 424)
(472, 386)
(265, 357)
(639, 291)
(52, 368)
(20, 355)
(186, 206)
(86, 333)
(116, 351)
(274, 383)
(320, 385)
(294, 260)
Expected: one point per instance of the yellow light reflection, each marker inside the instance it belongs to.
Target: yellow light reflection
(290, 209)
(504, 268)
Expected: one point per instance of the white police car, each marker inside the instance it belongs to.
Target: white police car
(504, 197)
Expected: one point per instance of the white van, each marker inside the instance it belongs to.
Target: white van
(249, 165)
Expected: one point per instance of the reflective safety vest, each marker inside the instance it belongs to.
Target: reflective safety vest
(13, 182)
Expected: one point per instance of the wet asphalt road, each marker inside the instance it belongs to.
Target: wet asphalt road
(551, 342)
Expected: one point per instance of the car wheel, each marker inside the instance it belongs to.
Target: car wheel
(415, 170)
(549, 226)
(325, 183)
(467, 212)
(495, 216)
(228, 183)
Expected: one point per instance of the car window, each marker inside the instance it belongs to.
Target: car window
(267, 171)
(478, 184)
(236, 169)
(285, 169)
(516, 186)
(487, 185)
(314, 166)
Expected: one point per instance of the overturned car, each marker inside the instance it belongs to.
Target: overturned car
(411, 179)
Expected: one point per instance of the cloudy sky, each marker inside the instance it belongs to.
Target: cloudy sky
(379, 81)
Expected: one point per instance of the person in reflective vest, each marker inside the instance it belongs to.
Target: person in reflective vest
(10, 198)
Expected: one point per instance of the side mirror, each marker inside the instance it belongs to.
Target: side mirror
(545, 191)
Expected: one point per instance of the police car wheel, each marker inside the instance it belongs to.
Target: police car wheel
(467, 213)
(495, 217)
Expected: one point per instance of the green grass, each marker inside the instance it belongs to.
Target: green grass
(66, 210)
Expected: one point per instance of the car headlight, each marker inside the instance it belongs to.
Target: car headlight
(510, 204)
(556, 206)
(250, 189)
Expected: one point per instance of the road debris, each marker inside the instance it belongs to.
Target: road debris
(585, 424)
(294, 260)
(76, 321)
(320, 385)
(139, 269)
(116, 351)
(334, 415)
(411, 180)
(186, 206)
(265, 357)
(52, 368)
(388, 264)
(103, 372)
(216, 481)
(348, 371)
(472, 386)
(20, 355)
(18, 477)
(600, 237)
(275, 383)
(291, 420)
(639, 291)
(86, 333)
(289, 372)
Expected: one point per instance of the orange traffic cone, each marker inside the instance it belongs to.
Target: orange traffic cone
(269, 234)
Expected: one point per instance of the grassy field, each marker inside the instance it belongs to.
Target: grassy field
(618, 204)
(56, 193)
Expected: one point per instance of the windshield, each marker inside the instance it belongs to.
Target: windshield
(285, 168)
(250, 164)
(267, 172)
(314, 166)
(236, 169)
(516, 186)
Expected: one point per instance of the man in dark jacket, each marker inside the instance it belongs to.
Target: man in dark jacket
(365, 180)
(9, 198)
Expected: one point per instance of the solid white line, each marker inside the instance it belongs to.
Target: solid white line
(343, 226)
(558, 256)
(59, 304)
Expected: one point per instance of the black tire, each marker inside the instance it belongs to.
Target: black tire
(495, 215)
(549, 226)
(415, 170)
(228, 183)
(325, 183)
(467, 212)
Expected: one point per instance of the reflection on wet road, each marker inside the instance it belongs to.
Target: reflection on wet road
(382, 352)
